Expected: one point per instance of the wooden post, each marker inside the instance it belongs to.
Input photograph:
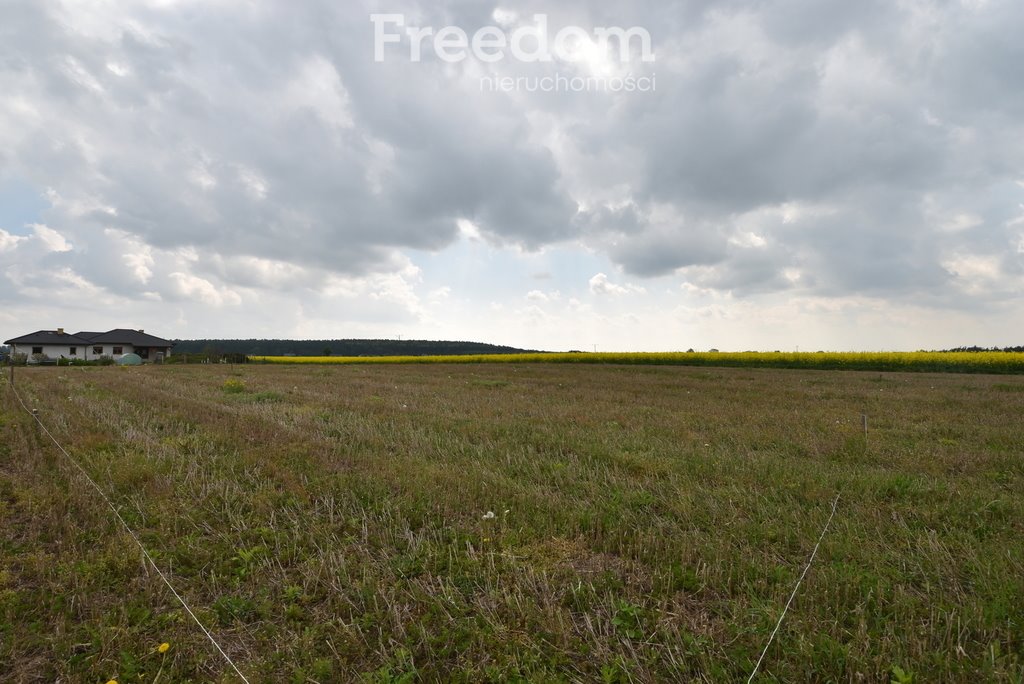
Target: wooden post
(864, 421)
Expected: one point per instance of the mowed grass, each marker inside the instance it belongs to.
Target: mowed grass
(333, 523)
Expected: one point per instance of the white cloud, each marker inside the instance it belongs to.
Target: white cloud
(193, 287)
(975, 273)
(140, 264)
(748, 240)
(317, 86)
(601, 286)
(504, 17)
(468, 229)
(53, 240)
(440, 294)
(254, 183)
(8, 241)
(961, 222)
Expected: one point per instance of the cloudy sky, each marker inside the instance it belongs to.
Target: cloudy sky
(821, 174)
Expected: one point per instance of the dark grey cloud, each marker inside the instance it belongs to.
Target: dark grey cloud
(863, 108)
(207, 131)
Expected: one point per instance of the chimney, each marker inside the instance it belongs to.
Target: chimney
(60, 331)
(141, 330)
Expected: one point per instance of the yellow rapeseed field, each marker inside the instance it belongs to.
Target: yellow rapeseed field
(970, 362)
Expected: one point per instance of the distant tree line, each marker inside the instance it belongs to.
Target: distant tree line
(217, 348)
(986, 349)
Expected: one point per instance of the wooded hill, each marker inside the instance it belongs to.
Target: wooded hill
(339, 347)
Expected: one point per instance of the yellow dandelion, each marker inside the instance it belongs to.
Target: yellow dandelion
(112, 681)
(163, 647)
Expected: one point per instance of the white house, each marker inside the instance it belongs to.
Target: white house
(89, 346)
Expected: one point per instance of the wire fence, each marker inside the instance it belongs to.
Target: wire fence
(35, 416)
(793, 595)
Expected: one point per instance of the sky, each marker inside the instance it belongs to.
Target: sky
(796, 174)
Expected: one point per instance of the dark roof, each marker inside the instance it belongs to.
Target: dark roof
(87, 335)
(133, 337)
(48, 337)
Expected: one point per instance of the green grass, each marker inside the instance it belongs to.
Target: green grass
(334, 523)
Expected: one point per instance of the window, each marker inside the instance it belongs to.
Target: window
(98, 351)
(73, 351)
(37, 350)
(118, 350)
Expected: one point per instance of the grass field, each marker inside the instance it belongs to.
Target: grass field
(334, 523)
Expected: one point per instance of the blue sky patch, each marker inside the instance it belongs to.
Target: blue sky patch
(21, 204)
